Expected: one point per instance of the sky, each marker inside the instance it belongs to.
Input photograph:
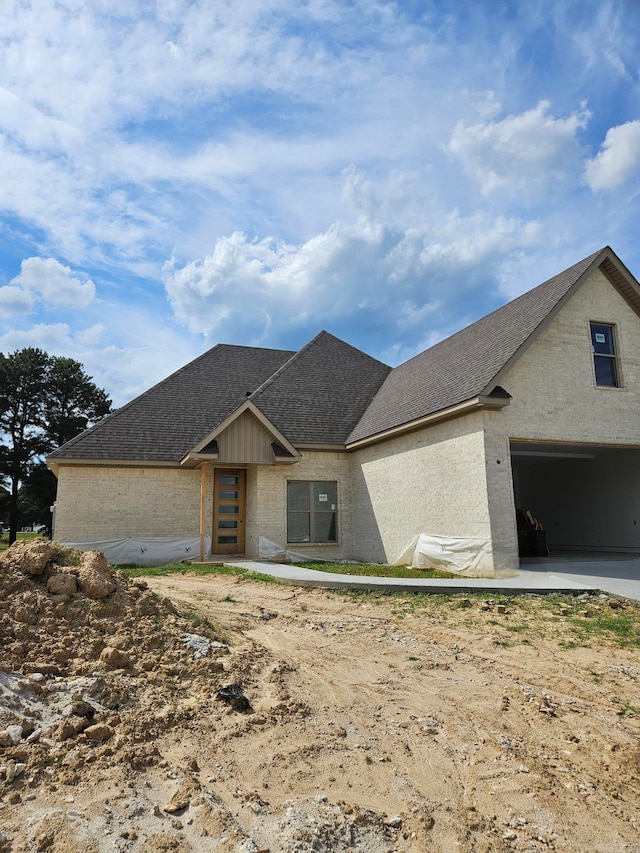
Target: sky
(174, 174)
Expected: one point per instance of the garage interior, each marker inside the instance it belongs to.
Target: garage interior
(583, 497)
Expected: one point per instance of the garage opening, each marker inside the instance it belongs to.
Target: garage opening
(576, 497)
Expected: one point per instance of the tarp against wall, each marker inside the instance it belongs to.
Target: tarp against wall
(269, 550)
(145, 552)
(467, 557)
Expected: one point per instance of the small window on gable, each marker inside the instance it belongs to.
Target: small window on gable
(604, 355)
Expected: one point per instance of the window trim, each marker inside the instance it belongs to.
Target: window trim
(613, 356)
(311, 514)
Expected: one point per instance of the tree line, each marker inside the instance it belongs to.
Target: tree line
(45, 400)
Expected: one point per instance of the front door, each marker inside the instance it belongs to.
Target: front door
(229, 500)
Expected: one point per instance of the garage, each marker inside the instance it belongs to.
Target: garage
(576, 496)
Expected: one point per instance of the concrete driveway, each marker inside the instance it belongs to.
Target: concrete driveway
(618, 574)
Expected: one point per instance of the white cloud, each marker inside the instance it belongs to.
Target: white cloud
(15, 300)
(51, 337)
(525, 152)
(618, 160)
(52, 282)
(364, 273)
(93, 335)
(143, 350)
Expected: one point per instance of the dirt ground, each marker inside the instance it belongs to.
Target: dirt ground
(376, 723)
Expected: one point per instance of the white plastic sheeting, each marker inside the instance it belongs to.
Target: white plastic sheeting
(269, 550)
(467, 557)
(146, 552)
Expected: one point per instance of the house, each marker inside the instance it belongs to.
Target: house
(328, 452)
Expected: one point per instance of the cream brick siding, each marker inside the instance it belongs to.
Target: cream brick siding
(456, 478)
(428, 481)
(553, 384)
(95, 503)
(271, 501)
(499, 482)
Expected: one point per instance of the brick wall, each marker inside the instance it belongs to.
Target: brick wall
(555, 398)
(430, 481)
(112, 503)
(269, 506)
(553, 383)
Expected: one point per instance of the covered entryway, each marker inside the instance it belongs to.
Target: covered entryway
(584, 497)
(229, 511)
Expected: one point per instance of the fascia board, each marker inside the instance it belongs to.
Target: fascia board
(473, 405)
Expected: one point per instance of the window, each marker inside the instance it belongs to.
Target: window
(311, 511)
(604, 355)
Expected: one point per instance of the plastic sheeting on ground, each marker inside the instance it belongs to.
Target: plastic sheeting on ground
(151, 551)
(467, 557)
(268, 550)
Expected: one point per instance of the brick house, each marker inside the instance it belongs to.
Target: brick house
(329, 452)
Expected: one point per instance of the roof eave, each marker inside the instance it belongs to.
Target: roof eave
(478, 403)
(194, 460)
(55, 465)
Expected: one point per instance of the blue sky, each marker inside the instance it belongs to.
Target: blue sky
(174, 174)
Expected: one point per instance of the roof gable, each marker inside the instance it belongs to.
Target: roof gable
(245, 436)
(471, 362)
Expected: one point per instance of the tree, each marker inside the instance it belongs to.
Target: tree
(44, 401)
(72, 402)
(36, 495)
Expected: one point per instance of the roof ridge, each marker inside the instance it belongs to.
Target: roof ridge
(299, 353)
(296, 355)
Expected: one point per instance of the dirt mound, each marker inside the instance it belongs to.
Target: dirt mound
(67, 612)
(89, 662)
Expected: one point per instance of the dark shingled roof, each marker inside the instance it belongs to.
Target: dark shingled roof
(329, 392)
(462, 366)
(318, 396)
(165, 423)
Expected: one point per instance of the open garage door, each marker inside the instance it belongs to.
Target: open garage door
(582, 497)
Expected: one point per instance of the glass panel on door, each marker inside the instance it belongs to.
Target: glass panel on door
(228, 511)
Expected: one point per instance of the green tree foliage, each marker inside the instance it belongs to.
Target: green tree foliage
(72, 401)
(36, 495)
(44, 401)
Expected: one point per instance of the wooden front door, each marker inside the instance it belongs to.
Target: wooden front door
(229, 499)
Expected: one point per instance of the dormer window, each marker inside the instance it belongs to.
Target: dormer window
(604, 355)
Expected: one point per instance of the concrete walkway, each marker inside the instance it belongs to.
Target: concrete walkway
(614, 575)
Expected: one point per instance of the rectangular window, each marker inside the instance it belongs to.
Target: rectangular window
(604, 355)
(312, 511)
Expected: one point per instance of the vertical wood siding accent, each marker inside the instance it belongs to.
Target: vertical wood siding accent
(245, 440)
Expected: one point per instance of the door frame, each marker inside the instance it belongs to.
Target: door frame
(239, 532)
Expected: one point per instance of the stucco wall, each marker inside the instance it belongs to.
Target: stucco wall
(428, 481)
(96, 503)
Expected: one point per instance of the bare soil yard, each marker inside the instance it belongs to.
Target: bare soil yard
(376, 723)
